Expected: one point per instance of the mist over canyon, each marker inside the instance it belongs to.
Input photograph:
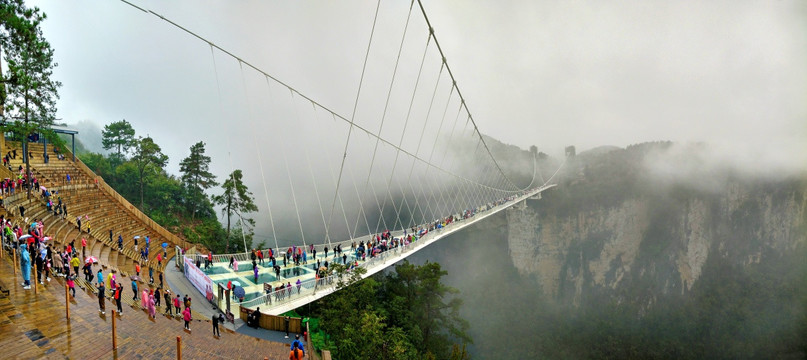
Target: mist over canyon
(624, 260)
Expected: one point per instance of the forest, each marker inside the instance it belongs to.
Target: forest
(135, 169)
(404, 313)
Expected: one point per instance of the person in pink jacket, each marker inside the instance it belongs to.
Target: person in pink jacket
(186, 315)
(152, 308)
(144, 298)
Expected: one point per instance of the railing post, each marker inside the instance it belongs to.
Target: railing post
(66, 302)
(14, 256)
(179, 347)
(114, 331)
(33, 278)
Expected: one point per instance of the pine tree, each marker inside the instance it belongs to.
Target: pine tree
(196, 177)
(118, 135)
(30, 97)
(236, 200)
(148, 158)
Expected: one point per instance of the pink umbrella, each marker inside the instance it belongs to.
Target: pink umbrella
(90, 259)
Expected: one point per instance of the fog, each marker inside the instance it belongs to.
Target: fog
(724, 80)
(573, 73)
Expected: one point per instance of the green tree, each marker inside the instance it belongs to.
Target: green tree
(387, 320)
(120, 136)
(196, 177)
(31, 97)
(148, 159)
(241, 234)
(236, 200)
(435, 324)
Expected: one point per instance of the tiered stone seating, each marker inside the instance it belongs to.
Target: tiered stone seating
(84, 196)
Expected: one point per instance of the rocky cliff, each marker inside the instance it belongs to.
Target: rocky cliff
(633, 230)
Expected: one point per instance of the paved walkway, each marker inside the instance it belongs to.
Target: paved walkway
(178, 284)
(34, 326)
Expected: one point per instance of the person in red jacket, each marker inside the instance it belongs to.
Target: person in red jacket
(176, 304)
(118, 293)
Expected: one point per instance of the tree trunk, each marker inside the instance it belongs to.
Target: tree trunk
(193, 205)
(227, 243)
(141, 193)
(25, 150)
(2, 88)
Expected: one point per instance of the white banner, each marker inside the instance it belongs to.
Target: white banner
(199, 280)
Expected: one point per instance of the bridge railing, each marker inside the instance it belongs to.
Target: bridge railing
(312, 286)
(244, 257)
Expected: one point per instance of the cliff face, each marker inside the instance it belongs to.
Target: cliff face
(660, 239)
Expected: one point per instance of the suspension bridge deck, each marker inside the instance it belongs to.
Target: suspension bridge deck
(310, 288)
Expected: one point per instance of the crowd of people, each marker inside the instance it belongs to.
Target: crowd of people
(39, 257)
(37, 254)
(295, 257)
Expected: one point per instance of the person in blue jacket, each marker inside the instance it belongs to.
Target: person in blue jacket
(25, 266)
(298, 344)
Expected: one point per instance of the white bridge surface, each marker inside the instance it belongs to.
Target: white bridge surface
(312, 289)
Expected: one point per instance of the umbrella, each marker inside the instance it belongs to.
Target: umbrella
(135, 278)
(90, 259)
(137, 237)
(165, 245)
(239, 292)
(43, 188)
(24, 237)
(236, 283)
(46, 238)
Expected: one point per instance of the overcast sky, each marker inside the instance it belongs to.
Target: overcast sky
(548, 73)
